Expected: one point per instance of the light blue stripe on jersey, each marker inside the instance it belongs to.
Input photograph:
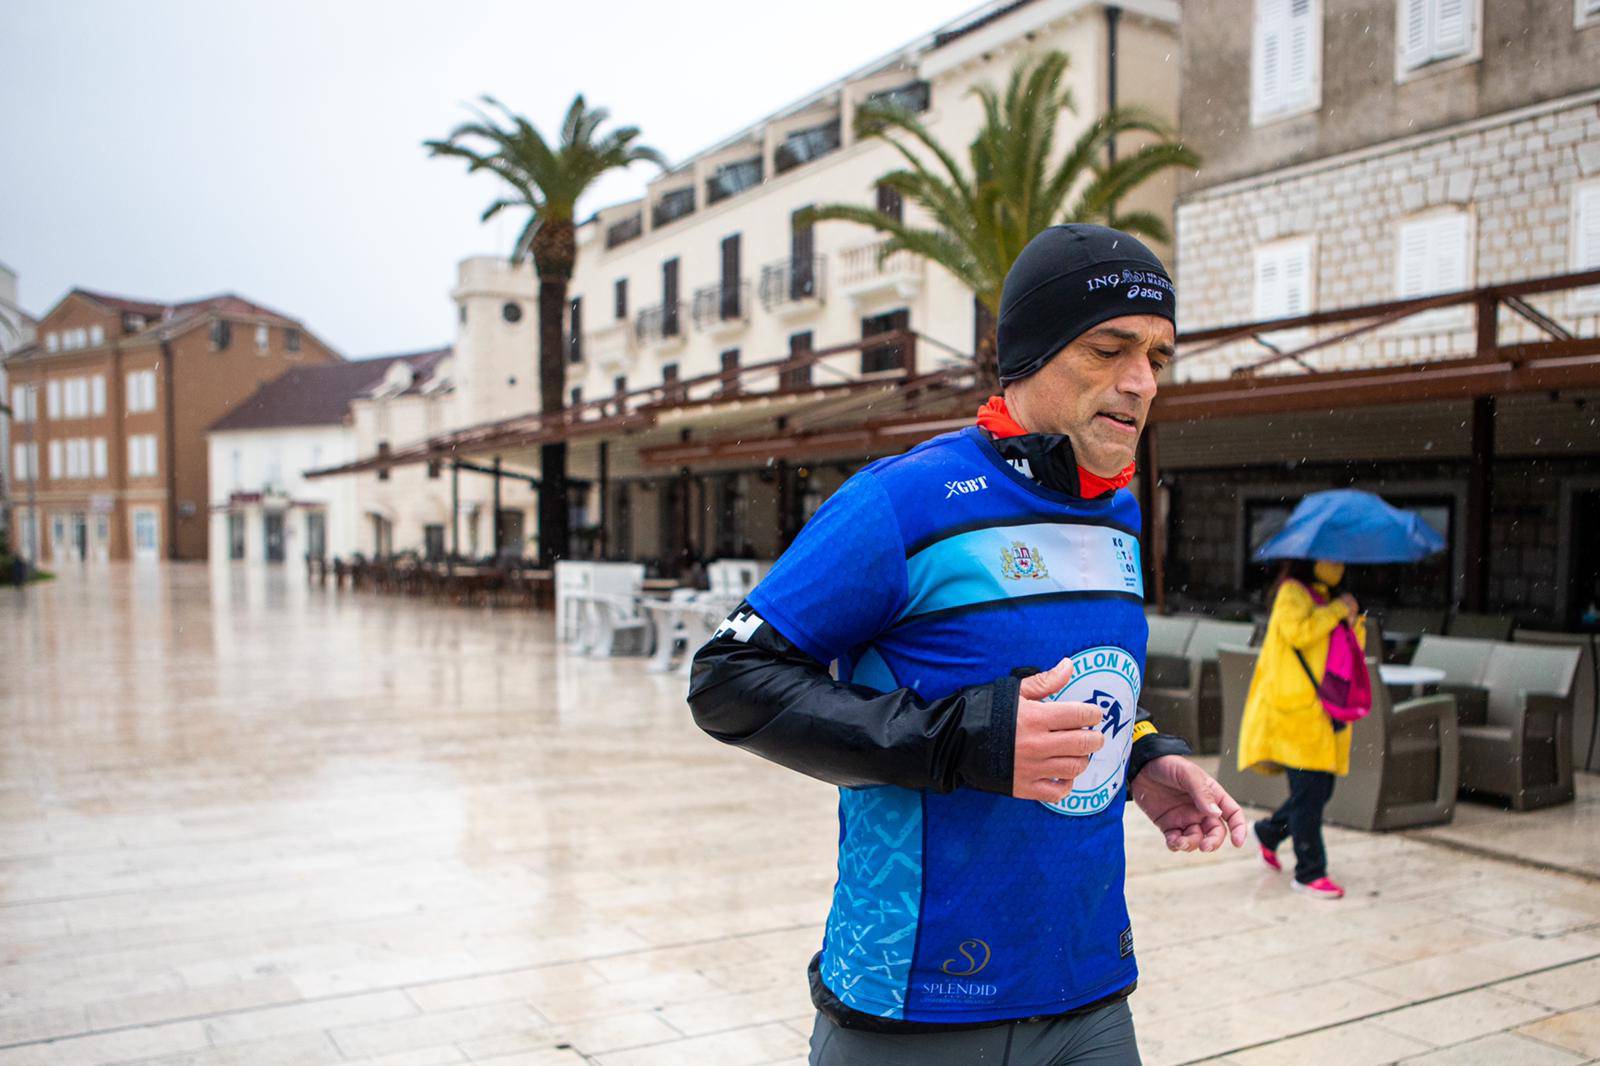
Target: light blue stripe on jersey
(985, 565)
(871, 936)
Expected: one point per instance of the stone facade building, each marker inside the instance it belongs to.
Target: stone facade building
(1360, 152)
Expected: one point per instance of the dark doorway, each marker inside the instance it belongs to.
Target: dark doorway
(272, 531)
(511, 537)
(890, 356)
(433, 542)
(316, 535)
(802, 257)
(1583, 588)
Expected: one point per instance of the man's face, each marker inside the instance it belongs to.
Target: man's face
(1097, 390)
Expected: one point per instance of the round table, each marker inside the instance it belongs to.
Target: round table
(1416, 678)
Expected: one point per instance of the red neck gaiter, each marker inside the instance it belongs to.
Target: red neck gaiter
(994, 419)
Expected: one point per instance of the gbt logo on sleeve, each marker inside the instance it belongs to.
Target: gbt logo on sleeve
(1106, 677)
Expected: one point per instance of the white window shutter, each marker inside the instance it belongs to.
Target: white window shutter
(1452, 28)
(1415, 32)
(1588, 223)
(1266, 285)
(1271, 22)
(1298, 35)
(1414, 248)
(1449, 253)
(1296, 280)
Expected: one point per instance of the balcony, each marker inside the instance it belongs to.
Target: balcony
(660, 327)
(913, 96)
(732, 178)
(793, 287)
(625, 230)
(802, 146)
(611, 349)
(672, 206)
(722, 309)
(866, 274)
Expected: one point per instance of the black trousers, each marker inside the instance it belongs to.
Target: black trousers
(1301, 818)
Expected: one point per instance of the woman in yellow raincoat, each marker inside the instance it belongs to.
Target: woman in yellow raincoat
(1285, 727)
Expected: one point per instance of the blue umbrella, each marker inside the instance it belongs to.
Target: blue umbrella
(1348, 526)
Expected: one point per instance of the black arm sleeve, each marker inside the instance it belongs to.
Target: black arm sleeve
(752, 688)
(1153, 746)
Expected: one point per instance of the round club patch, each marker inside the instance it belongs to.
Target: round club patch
(1106, 677)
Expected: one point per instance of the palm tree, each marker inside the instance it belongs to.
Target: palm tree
(548, 183)
(984, 215)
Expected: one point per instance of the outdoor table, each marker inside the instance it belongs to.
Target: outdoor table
(1415, 678)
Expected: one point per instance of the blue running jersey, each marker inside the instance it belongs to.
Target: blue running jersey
(936, 570)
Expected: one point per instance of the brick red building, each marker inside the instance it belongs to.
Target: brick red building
(110, 408)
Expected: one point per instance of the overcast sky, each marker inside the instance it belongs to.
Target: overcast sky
(171, 149)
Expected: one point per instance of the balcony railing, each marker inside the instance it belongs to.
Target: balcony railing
(661, 324)
(733, 178)
(673, 206)
(802, 146)
(717, 305)
(623, 231)
(865, 271)
(790, 284)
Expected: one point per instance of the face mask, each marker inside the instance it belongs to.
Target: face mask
(1329, 574)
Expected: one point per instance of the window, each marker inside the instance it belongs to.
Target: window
(669, 298)
(263, 337)
(57, 467)
(511, 311)
(730, 364)
(141, 391)
(802, 256)
(620, 299)
(52, 398)
(97, 395)
(625, 230)
(673, 206)
(619, 385)
(802, 146)
(221, 334)
(728, 306)
(1283, 280)
(731, 178)
(1432, 31)
(19, 403)
(575, 397)
(236, 536)
(52, 342)
(100, 457)
(1433, 258)
(291, 340)
(669, 382)
(25, 462)
(132, 323)
(798, 377)
(1586, 238)
(144, 531)
(75, 397)
(142, 455)
(890, 203)
(1588, 13)
(575, 330)
(889, 356)
(97, 334)
(913, 96)
(236, 463)
(1287, 58)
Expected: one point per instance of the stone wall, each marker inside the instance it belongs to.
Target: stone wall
(1516, 178)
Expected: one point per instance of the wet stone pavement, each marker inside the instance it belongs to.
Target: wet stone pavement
(247, 822)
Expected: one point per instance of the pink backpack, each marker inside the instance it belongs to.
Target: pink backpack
(1346, 688)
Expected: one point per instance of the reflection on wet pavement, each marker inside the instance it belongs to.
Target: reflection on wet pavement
(245, 821)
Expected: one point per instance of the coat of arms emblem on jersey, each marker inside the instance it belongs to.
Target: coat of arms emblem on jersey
(1020, 561)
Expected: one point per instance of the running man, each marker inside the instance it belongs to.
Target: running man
(979, 913)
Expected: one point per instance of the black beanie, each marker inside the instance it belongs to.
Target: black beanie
(1068, 280)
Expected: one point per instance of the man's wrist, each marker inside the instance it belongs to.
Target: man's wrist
(1152, 746)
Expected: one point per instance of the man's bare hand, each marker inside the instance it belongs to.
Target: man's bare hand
(1187, 805)
(1054, 740)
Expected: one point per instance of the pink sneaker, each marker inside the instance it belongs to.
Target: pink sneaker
(1268, 856)
(1321, 888)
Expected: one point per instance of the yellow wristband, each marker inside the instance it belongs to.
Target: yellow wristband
(1144, 729)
